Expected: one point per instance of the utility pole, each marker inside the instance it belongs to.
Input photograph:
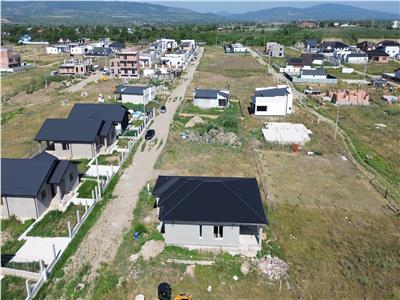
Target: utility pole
(337, 122)
(216, 40)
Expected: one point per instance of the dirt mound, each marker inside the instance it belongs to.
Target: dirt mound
(273, 268)
(216, 136)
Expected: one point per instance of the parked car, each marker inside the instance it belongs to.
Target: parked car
(149, 134)
(163, 109)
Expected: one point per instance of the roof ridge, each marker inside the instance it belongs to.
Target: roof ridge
(188, 194)
(175, 189)
(240, 198)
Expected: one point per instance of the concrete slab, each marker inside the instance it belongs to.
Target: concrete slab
(286, 133)
(103, 170)
(40, 248)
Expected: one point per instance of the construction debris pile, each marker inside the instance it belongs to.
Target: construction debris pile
(273, 268)
(216, 136)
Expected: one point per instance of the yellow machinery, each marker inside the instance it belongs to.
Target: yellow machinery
(104, 78)
(183, 297)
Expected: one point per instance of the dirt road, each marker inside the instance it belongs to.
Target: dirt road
(102, 241)
(81, 84)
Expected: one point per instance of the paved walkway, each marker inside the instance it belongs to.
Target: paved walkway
(102, 241)
(40, 248)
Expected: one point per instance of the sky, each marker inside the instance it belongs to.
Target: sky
(245, 6)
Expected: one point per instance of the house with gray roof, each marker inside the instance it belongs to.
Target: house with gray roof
(75, 138)
(211, 98)
(135, 94)
(272, 101)
(223, 213)
(29, 185)
(312, 76)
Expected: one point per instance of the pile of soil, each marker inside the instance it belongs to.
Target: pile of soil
(216, 136)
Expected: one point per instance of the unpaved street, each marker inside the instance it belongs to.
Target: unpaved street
(102, 241)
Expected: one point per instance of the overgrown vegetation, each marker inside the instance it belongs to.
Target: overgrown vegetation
(86, 188)
(55, 223)
(13, 288)
(11, 229)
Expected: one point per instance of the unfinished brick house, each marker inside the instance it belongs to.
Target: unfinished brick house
(349, 97)
(77, 66)
(125, 63)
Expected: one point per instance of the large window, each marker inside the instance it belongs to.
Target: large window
(43, 194)
(65, 146)
(262, 108)
(218, 232)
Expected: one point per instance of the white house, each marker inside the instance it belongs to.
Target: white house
(390, 47)
(206, 98)
(77, 49)
(313, 74)
(163, 45)
(211, 213)
(356, 58)
(136, 94)
(174, 61)
(236, 48)
(57, 49)
(272, 101)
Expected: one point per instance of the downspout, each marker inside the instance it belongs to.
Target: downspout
(8, 209)
(36, 208)
(70, 148)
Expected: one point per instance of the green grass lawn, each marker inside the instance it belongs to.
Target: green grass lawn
(13, 288)
(83, 165)
(339, 75)
(376, 68)
(11, 229)
(86, 188)
(54, 224)
(108, 159)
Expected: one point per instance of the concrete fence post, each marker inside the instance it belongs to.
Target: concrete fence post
(93, 195)
(78, 217)
(28, 289)
(69, 229)
(119, 160)
(54, 251)
(148, 188)
(43, 270)
(86, 207)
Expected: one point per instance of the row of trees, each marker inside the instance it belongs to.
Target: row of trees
(210, 34)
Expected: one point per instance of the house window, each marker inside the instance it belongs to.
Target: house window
(71, 176)
(218, 232)
(200, 231)
(261, 108)
(43, 194)
(65, 146)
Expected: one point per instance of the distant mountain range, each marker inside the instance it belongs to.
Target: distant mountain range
(120, 13)
(328, 11)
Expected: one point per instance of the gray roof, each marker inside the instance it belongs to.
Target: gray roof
(107, 126)
(313, 72)
(209, 200)
(311, 42)
(105, 112)
(131, 90)
(276, 92)
(209, 94)
(24, 177)
(69, 130)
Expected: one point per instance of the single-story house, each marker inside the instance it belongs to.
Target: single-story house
(76, 138)
(390, 47)
(366, 46)
(312, 76)
(29, 185)
(308, 24)
(272, 101)
(207, 98)
(312, 59)
(116, 46)
(210, 212)
(310, 44)
(286, 133)
(117, 114)
(330, 46)
(356, 58)
(235, 48)
(136, 94)
(378, 55)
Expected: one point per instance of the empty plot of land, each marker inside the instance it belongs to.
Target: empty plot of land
(327, 181)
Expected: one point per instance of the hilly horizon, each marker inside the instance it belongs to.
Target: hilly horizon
(122, 12)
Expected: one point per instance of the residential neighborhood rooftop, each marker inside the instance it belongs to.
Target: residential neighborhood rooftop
(209, 199)
(106, 112)
(70, 130)
(271, 92)
(131, 89)
(209, 94)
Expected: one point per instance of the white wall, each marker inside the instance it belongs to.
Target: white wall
(187, 234)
